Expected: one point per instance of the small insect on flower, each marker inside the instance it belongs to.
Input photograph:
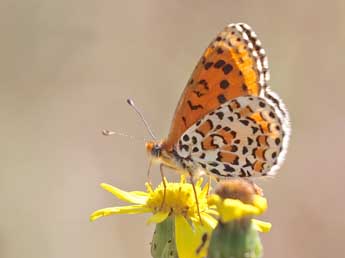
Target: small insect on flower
(179, 205)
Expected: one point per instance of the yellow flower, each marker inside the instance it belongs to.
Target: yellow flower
(231, 209)
(179, 203)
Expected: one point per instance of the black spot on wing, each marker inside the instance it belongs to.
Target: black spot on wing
(227, 69)
(204, 83)
(228, 168)
(244, 122)
(202, 164)
(195, 149)
(208, 65)
(277, 141)
(262, 104)
(220, 115)
(220, 51)
(185, 137)
(194, 107)
(185, 147)
(198, 93)
(224, 84)
(236, 161)
(272, 115)
(255, 129)
(184, 121)
(234, 148)
(250, 140)
(243, 173)
(248, 164)
(213, 163)
(221, 98)
(219, 63)
(215, 171)
(237, 141)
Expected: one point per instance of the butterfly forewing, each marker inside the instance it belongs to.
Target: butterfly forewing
(233, 65)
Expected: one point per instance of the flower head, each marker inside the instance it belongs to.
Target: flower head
(237, 199)
(179, 203)
(237, 202)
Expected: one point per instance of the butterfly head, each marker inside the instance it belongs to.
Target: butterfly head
(154, 149)
(159, 153)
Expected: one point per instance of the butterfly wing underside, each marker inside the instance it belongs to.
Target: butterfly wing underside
(243, 137)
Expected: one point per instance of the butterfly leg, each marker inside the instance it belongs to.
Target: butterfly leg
(209, 185)
(148, 172)
(195, 195)
(164, 185)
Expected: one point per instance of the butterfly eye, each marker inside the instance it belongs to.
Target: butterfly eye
(156, 150)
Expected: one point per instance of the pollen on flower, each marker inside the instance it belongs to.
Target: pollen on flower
(179, 198)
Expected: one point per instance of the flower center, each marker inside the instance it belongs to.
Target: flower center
(179, 199)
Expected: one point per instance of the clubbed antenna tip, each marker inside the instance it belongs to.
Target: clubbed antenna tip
(131, 103)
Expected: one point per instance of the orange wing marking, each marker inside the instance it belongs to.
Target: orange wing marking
(226, 70)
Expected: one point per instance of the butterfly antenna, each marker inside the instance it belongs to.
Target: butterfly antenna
(131, 103)
(106, 132)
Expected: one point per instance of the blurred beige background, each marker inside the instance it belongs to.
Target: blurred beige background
(66, 68)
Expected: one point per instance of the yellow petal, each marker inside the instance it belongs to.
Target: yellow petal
(188, 239)
(140, 193)
(131, 197)
(212, 212)
(208, 221)
(214, 199)
(199, 182)
(262, 226)
(230, 209)
(158, 217)
(205, 231)
(205, 190)
(149, 187)
(260, 202)
(133, 209)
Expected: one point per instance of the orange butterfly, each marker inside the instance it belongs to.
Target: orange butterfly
(228, 122)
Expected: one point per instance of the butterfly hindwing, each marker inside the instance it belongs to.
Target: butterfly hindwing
(243, 137)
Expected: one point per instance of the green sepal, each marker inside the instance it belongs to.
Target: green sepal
(235, 239)
(163, 242)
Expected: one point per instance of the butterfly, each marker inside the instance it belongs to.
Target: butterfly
(228, 123)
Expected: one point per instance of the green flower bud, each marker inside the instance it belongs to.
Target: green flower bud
(235, 239)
